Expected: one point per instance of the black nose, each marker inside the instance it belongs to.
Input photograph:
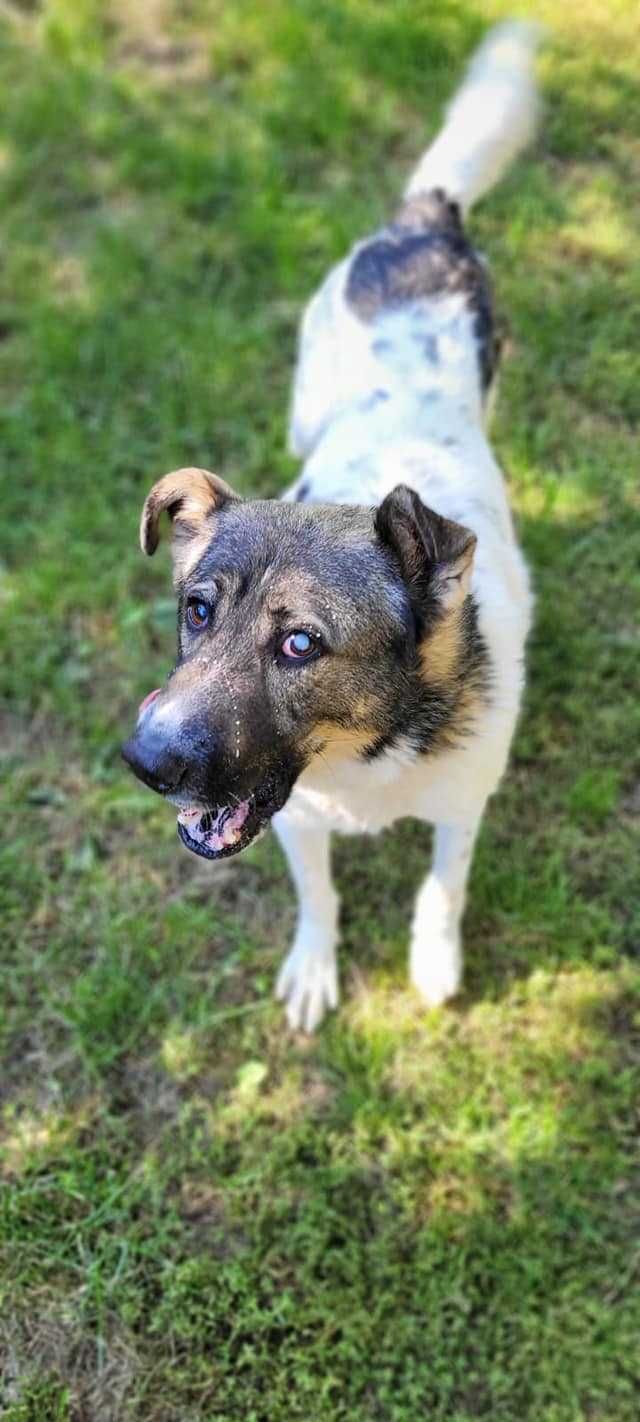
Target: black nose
(155, 761)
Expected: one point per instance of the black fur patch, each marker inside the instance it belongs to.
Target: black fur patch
(424, 253)
(377, 747)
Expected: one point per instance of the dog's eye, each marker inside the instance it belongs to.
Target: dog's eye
(300, 646)
(197, 614)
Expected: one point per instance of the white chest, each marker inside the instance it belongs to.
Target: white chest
(356, 797)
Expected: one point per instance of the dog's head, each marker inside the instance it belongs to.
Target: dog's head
(304, 630)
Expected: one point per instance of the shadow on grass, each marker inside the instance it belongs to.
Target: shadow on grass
(446, 1227)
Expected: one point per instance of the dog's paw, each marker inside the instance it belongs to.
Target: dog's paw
(308, 985)
(435, 969)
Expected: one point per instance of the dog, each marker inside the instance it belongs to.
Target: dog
(354, 652)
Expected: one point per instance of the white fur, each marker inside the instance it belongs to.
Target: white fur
(492, 117)
(308, 979)
(435, 958)
(425, 428)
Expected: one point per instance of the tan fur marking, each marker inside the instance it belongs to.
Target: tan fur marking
(363, 707)
(327, 736)
(440, 651)
(187, 553)
(442, 667)
(188, 495)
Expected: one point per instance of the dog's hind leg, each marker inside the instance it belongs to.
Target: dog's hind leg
(435, 962)
(308, 979)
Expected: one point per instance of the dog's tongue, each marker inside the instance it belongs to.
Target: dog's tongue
(148, 699)
(215, 831)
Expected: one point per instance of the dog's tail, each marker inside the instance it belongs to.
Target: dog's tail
(492, 117)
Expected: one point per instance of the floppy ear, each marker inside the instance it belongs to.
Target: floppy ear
(435, 554)
(189, 496)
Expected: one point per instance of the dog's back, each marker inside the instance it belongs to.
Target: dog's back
(410, 308)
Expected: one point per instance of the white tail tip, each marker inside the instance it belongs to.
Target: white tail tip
(492, 117)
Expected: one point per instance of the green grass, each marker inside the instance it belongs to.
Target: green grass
(414, 1215)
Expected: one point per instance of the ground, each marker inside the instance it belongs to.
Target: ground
(412, 1215)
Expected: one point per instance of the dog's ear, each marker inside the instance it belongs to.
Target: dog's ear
(189, 496)
(435, 554)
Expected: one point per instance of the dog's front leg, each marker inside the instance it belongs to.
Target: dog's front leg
(435, 962)
(308, 979)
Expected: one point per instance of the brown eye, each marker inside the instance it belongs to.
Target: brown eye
(197, 614)
(299, 646)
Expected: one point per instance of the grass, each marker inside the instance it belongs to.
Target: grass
(413, 1215)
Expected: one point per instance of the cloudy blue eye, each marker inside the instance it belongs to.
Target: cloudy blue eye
(299, 646)
(197, 614)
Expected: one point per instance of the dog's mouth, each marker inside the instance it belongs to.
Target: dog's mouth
(215, 834)
(228, 829)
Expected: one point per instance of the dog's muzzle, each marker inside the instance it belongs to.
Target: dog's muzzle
(170, 762)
